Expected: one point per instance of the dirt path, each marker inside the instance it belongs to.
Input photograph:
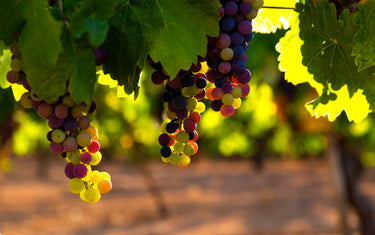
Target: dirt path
(208, 197)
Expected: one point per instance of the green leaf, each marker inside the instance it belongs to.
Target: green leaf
(11, 21)
(40, 46)
(330, 103)
(39, 42)
(364, 39)
(92, 17)
(81, 60)
(170, 31)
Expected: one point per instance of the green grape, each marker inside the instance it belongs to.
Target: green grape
(174, 159)
(227, 54)
(200, 107)
(76, 185)
(68, 101)
(236, 103)
(236, 92)
(83, 139)
(178, 147)
(16, 64)
(58, 136)
(182, 137)
(26, 100)
(193, 90)
(165, 159)
(105, 175)
(183, 161)
(227, 99)
(185, 92)
(92, 195)
(257, 4)
(73, 157)
(95, 158)
(96, 176)
(191, 104)
(188, 150)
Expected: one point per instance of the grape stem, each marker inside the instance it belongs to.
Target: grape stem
(60, 6)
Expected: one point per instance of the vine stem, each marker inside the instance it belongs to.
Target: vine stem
(60, 6)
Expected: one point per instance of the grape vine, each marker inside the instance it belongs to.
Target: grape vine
(59, 47)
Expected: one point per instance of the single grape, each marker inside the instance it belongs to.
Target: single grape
(96, 158)
(96, 176)
(227, 110)
(16, 64)
(230, 8)
(237, 38)
(56, 147)
(182, 137)
(188, 150)
(84, 123)
(164, 139)
(83, 139)
(93, 147)
(26, 100)
(92, 131)
(58, 136)
(227, 99)
(80, 171)
(105, 175)
(224, 67)
(69, 170)
(183, 161)
(236, 92)
(91, 195)
(227, 54)
(76, 185)
(244, 27)
(195, 117)
(78, 111)
(189, 126)
(55, 122)
(227, 24)
(85, 158)
(104, 186)
(244, 8)
(101, 56)
(70, 144)
(165, 151)
(13, 77)
(178, 147)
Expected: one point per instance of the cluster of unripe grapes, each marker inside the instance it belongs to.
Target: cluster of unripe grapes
(226, 55)
(72, 135)
(183, 97)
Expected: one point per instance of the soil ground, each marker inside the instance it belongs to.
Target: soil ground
(208, 197)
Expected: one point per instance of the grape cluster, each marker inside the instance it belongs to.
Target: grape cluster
(72, 135)
(183, 97)
(226, 55)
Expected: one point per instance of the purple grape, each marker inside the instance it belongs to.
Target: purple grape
(221, 12)
(223, 41)
(85, 157)
(245, 46)
(49, 136)
(224, 67)
(219, 82)
(55, 122)
(189, 126)
(70, 124)
(216, 105)
(101, 55)
(164, 139)
(230, 8)
(238, 18)
(244, 27)
(13, 76)
(171, 127)
(238, 66)
(201, 83)
(171, 107)
(92, 107)
(237, 38)
(244, 77)
(187, 81)
(165, 151)
(227, 24)
(56, 148)
(79, 171)
(158, 77)
(201, 95)
(249, 37)
(69, 170)
(244, 8)
(25, 84)
(238, 51)
(181, 113)
(227, 87)
(243, 58)
(179, 102)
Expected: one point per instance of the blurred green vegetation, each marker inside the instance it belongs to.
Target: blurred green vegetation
(272, 119)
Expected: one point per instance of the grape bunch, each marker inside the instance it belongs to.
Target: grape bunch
(226, 55)
(183, 97)
(72, 135)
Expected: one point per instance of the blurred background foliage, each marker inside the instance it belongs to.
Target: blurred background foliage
(272, 120)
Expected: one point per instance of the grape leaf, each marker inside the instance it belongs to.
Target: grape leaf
(11, 21)
(40, 38)
(330, 103)
(40, 46)
(364, 39)
(82, 76)
(165, 29)
(92, 17)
